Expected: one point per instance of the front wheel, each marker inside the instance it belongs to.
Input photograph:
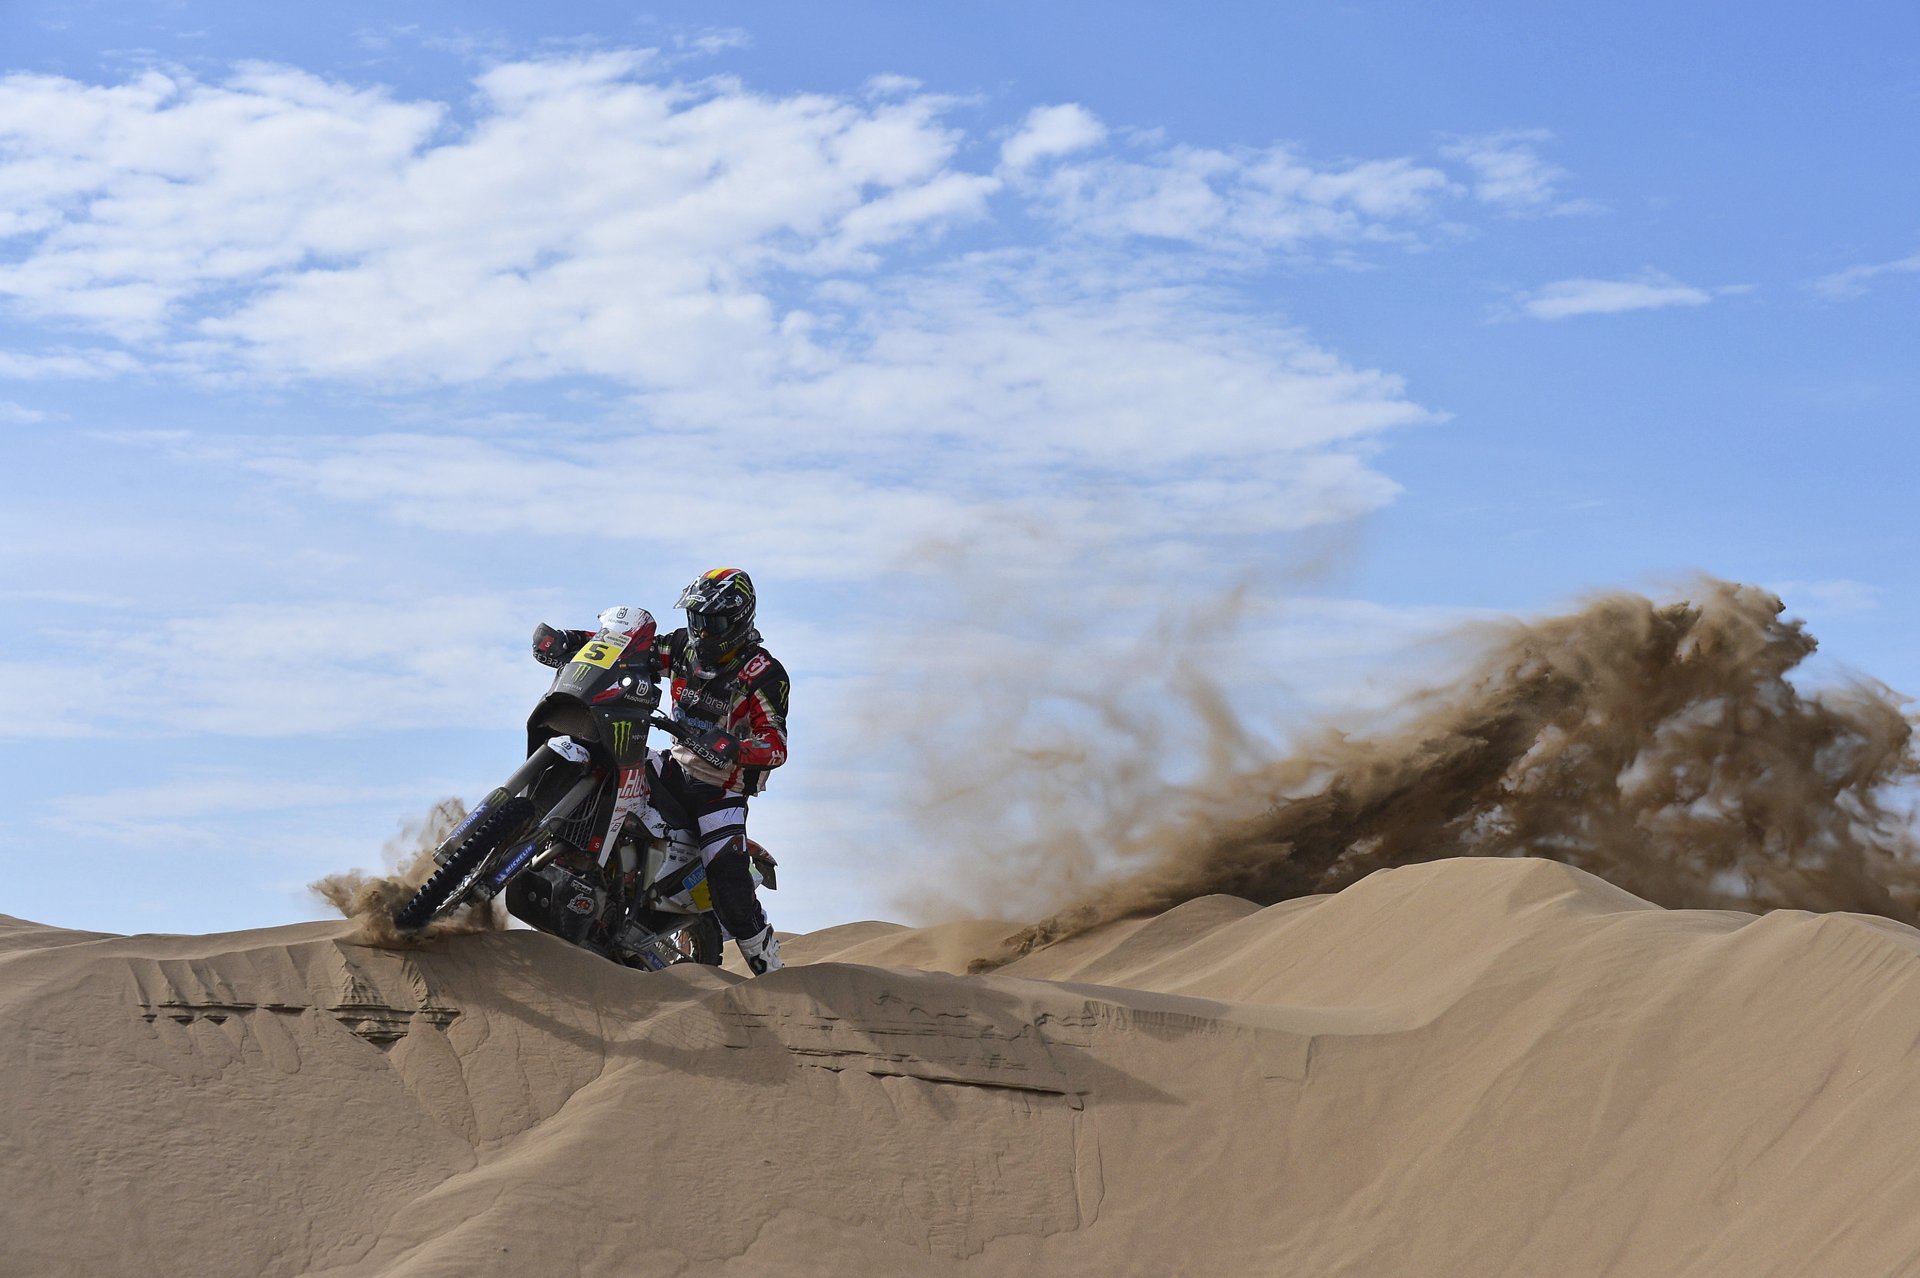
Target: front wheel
(450, 882)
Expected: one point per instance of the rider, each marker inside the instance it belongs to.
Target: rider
(730, 691)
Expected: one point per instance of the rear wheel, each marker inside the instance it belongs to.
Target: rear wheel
(703, 941)
(441, 892)
(697, 942)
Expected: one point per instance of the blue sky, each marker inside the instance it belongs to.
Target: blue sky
(336, 350)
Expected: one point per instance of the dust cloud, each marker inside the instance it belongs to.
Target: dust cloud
(1661, 746)
(371, 899)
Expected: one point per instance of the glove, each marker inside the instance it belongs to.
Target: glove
(716, 747)
(552, 647)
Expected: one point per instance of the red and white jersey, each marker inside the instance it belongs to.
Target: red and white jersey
(748, 703)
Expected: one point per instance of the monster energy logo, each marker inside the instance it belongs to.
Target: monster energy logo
(622, 734)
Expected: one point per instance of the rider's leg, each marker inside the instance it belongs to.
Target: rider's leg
(735, 901)
(723, 849)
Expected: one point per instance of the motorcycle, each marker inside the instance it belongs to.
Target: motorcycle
(582, 839)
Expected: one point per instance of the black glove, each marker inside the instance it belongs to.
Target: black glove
(716, 747)
(553, 647)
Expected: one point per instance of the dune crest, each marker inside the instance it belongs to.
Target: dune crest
(1467, 1067)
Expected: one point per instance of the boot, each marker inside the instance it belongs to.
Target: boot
(761, 951)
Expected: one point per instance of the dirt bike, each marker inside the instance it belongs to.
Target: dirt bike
(582, 838)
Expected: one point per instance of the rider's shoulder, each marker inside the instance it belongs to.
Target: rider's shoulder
(762, 667)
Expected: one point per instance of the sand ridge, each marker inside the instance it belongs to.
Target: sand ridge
(1472, 1067)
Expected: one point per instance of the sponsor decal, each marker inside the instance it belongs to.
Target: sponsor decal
(633, 786)
(633, 790)
(581, 904)
(693, 884)
(513, 867)
(628, 620)
(622, 734)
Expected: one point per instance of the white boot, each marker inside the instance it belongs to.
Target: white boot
(761, 951)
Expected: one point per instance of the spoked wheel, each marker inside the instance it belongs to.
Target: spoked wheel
(450, 882)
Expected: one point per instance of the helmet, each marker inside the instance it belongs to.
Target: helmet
(719, 608)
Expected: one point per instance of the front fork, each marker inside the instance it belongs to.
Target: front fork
(525, 775)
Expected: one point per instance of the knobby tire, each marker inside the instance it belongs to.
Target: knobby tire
(706, 941)
(433, 895)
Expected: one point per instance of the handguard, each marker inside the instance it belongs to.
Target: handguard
(712, 746)
(716, 747)
(552, 647)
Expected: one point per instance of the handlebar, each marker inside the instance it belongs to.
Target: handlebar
(678, 731)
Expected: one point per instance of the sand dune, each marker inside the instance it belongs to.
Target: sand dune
(1471, 1067)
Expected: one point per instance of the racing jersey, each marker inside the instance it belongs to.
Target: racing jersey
(748, 702)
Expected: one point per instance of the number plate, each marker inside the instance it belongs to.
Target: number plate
(602, 650)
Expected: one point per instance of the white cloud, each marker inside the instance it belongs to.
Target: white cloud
(577, 217)
(718, 40)
(1510, 174)
(946, 200)
(20, 414)
(1261, 200)
(134, 197)
(67, 363)
(762, 277)
(1853, 281)
(1564, 299)
(890, 85)
(184, 811)
(586, 221)
(329, 666)
(1050, 132)
(945, 399)
(1831, 595)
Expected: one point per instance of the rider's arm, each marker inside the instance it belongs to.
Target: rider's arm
(763, 744)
